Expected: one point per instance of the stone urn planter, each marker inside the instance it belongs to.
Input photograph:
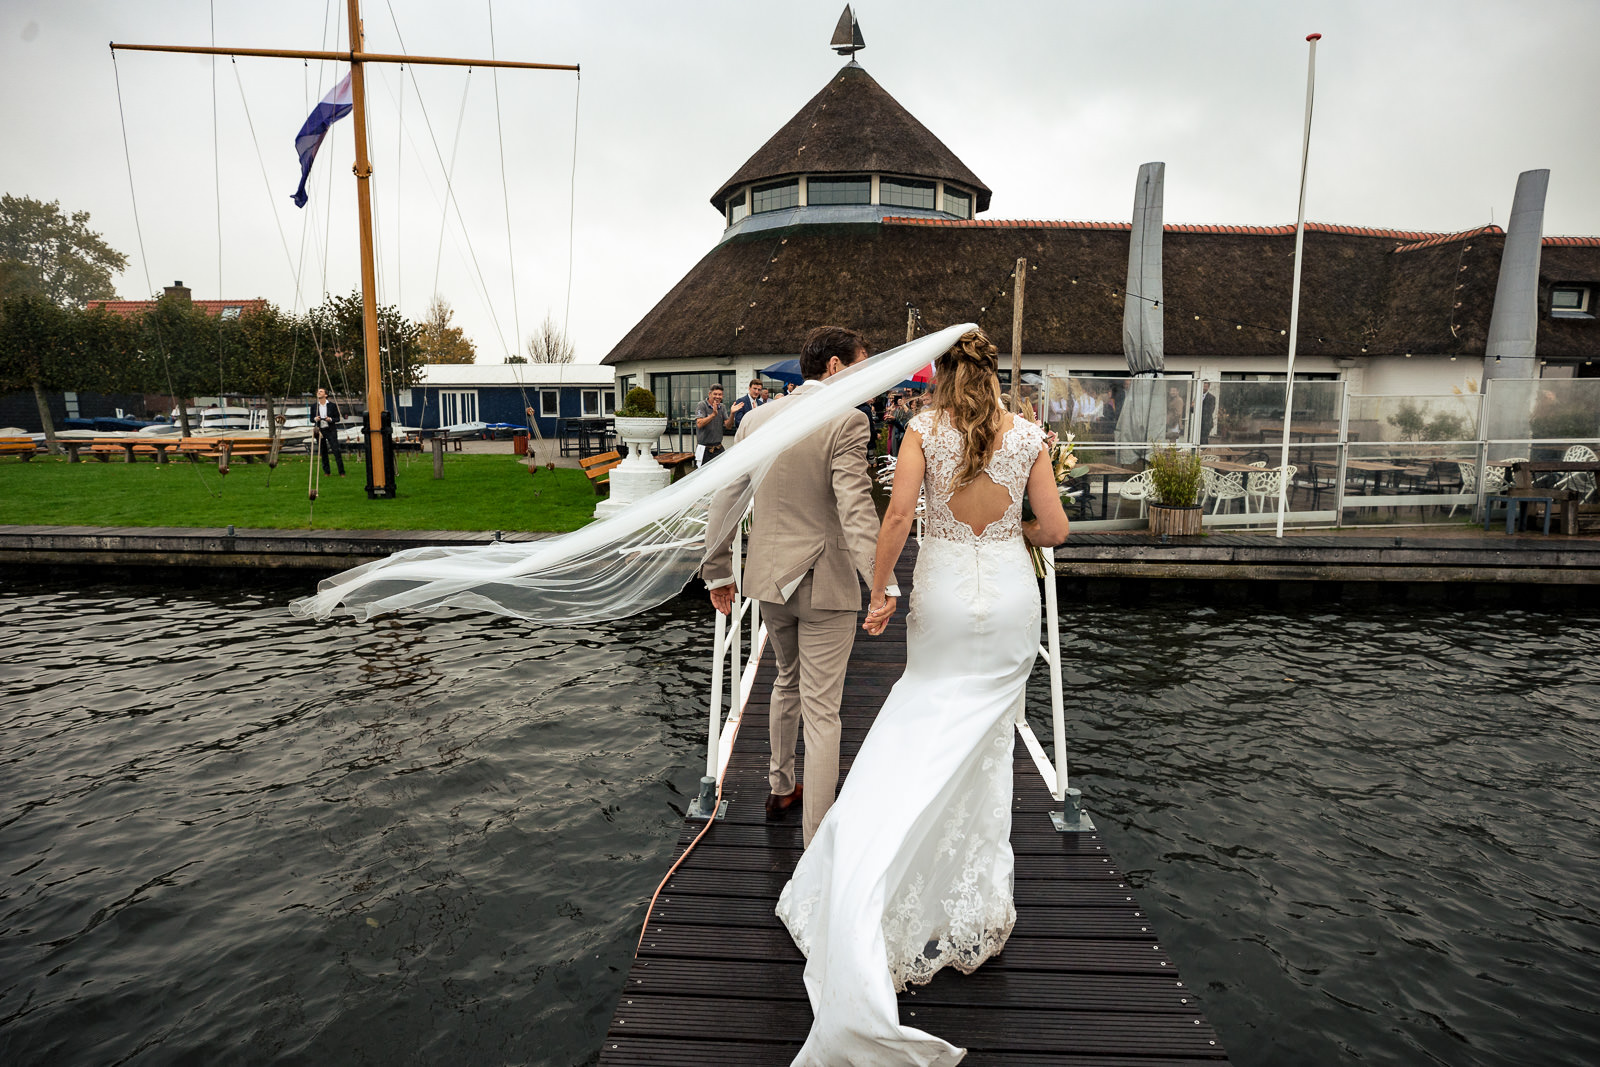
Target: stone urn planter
(638, 475)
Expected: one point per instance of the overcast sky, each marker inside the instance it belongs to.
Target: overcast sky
(1426, 111)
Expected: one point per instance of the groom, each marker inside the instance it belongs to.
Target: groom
(814, 531)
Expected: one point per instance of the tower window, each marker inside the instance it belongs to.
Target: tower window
(851, 190)
(957, 203)
(738, 206)
(777, 196)
(904, 192)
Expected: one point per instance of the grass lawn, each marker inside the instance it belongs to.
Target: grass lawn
(477, 492)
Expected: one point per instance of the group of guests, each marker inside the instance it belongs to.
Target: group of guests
(716, 421)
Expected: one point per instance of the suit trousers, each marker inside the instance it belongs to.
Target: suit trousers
(812, 647)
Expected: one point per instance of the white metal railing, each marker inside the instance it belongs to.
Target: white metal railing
(726, 648)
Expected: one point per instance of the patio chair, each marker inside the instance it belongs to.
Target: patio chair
(1318, 479)
(1266, 486)
(1221, 488)
(1140, 488)
(1494, 480)
(1578, 481)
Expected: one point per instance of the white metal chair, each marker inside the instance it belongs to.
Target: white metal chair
(1578, 481)
(1140, 488)
(1266, 486)
(1223, 488)
(1494, 480)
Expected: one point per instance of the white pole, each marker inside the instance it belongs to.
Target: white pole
(1294, 300)
(713, 730)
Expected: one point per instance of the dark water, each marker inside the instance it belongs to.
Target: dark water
(1368, 834)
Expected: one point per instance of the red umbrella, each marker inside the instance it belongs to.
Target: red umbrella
(925, 375)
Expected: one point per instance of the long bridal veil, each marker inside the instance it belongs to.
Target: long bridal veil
(628, 562)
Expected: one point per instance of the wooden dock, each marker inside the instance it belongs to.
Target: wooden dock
(718, 981)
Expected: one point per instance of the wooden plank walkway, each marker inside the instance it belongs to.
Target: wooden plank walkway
(718, 981)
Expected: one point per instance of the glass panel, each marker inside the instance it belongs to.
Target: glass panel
(738, 207)
(903, 192)
(957, 204)
(1542, 418)
(838, 191)
(778, 196)
(591, 401)
(1567, 299)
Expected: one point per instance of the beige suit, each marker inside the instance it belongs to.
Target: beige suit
(815, 524)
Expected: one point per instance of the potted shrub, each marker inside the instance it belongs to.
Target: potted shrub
(639, 420)
(1176, 478)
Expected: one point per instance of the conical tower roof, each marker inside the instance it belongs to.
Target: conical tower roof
(853, 126)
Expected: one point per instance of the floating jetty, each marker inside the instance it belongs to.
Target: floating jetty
(1083, 979)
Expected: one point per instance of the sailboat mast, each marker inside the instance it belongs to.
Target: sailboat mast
(380, 479)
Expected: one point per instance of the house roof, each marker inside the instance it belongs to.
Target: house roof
(853, 126)
(125, 308)
(525, 375)
(1226, 293)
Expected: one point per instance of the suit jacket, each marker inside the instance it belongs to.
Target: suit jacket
(333, 414)
(813, 512)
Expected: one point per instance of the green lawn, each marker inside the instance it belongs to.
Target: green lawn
(477, 492)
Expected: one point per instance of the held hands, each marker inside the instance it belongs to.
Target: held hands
(879, 614)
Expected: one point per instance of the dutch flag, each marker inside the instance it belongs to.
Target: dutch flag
(335, 106)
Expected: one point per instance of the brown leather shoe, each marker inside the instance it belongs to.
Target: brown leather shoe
(778, 807)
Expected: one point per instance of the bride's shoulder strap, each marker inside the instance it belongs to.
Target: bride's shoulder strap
(921, 422)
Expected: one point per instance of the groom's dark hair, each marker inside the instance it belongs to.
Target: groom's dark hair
(825, 342)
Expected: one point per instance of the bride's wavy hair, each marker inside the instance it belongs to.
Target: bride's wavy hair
(966, 391)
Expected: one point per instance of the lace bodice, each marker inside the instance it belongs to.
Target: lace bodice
(1008, 467)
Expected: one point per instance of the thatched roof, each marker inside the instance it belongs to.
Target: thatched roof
(1387, 291)
(854, 127)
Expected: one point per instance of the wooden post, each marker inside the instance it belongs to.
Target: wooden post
(911, 324)
(1018, 280)
(380, 480)
(438, 457)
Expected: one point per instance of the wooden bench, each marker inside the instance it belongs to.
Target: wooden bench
(18, 446)
(599, 469)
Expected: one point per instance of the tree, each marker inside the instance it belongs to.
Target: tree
(35, 336)
(337, 332)
(182, 351)
(268, 353)
(549, 344)
(54, 253)
(441, 342)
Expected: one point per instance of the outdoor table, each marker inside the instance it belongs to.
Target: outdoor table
(1229, 465)
(1088, 471)
(1377, 470)
(1522, 470)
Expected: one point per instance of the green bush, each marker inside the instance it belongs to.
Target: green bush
(640, 403)
(1176, 475)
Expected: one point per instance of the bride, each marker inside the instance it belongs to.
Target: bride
(911, 870)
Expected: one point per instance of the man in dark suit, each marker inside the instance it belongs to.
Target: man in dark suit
(325, 417)
(1208, 412)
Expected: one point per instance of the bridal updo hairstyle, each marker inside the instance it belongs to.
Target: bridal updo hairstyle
(966, 391)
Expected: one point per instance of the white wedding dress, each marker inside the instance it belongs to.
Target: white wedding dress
(911, 870)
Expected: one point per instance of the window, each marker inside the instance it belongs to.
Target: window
(609, 399)
(904, 192)
(839, 190)
(738, 206)
(402, 399)
(1570, 302)
(678, 394)
(957, 203)
(457, 406)
(549, 404)
(777, 196)
(591, 402)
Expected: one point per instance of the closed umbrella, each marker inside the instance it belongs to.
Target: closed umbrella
(1143, 414)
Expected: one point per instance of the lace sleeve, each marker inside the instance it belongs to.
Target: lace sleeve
(922, 422)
